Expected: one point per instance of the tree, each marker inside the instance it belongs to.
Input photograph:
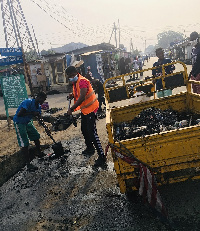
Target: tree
(150, 49)
(31, 55)
(48, 52)
(166, 37)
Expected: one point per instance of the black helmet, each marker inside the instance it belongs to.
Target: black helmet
(194, 35)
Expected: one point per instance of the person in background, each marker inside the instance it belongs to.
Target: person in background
(122, 66)
(135, 66)
(195, 72)
(98, 88)
(170, 54)
(88, 74)
(106, 69)
(86, 101)
(140, 64)
(127, 65)
(158, 72)
(25, 130)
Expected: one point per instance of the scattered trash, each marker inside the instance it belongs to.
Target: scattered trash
(62, 122)
(45, 106)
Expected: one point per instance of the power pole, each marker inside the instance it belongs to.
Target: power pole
(16, 30)
(35, 40)
(114, 30)
(131, 46)
(111, 35)
(119, 32)
(17, 33)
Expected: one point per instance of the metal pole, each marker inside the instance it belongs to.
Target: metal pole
(119, 32)
(27, 74)
(4, 24)
(111, 35)
(115, 34)
(18, 36)
(13, 22)
(26, 25)
(35, 39)
(26, 69)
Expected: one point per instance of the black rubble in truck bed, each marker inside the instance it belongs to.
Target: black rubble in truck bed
(154, 120)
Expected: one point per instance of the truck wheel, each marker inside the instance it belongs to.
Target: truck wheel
(131, 191)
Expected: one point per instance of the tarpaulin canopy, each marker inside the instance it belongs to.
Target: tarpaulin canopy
(91, 52)
(77, 63)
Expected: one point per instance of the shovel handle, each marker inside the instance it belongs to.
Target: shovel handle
(69, 104)
(52, 138)
(41, 122)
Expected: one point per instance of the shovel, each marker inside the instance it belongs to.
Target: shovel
(57, 147)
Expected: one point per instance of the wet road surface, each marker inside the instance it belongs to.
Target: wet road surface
(67, 194)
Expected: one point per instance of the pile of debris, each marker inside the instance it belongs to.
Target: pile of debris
(154, 120)
(62, 122)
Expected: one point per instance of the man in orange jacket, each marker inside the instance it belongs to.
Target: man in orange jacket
(86, 101)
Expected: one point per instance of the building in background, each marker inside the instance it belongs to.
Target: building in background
(54, 70)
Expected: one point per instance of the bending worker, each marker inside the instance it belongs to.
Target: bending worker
(85, 100)
(24, 127)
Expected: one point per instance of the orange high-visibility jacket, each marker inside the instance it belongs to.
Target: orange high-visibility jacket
(90, 103)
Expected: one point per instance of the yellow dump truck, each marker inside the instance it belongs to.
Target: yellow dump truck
(173, 155)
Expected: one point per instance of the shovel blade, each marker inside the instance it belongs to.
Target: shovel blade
(58, 149)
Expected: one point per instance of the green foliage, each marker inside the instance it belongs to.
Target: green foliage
(48, 52)
(166, 37)
(31, 56)
(150, 49)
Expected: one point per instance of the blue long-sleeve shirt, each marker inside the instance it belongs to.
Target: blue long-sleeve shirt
(29, 105)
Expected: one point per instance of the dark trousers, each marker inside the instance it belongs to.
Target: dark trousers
(101, 100)
(89, 131)
(141, 73)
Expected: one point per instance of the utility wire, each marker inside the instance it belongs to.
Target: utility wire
(64, 18)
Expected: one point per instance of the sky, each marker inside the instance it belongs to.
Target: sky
(59, 22)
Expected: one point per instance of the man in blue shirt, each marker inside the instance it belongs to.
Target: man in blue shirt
(24, 127)
(158, 72)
